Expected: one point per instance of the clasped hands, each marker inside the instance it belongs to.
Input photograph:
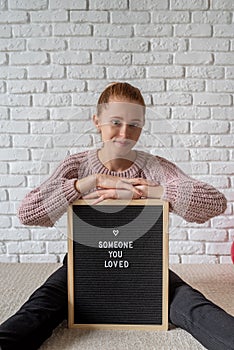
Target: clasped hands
(114, 187)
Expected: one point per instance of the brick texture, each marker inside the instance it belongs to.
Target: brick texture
(57, 56)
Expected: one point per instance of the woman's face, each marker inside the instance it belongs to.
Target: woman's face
(120, 124)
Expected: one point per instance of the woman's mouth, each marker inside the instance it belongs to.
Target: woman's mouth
(122, 143)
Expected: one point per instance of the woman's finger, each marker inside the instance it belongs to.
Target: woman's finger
(109, 181)
(98, 200)
(126, 194)
(107, 195)
(109, 192)
(101, 195)
(121, 184)
(91, 195)
(140, 181)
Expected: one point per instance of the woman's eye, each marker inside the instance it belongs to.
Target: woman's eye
(115, 122)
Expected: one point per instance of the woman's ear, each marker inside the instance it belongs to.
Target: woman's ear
(96, 122)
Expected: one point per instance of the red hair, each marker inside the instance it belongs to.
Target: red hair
(122, 90)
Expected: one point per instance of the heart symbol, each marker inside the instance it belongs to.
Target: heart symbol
(116, 232)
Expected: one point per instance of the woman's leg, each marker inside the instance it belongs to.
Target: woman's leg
(208, 323)
(34, 322)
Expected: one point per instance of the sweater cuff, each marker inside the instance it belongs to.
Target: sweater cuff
(170, 192)
(69, 191)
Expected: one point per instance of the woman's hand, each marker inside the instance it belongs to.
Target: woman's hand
(110, 193)
(102, 181)
(155, 191)
(143, 188)
(121, 183)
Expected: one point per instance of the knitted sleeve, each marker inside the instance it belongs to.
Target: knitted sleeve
(45, 204)
(193, 200)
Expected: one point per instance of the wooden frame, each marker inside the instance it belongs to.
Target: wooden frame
(164, 325)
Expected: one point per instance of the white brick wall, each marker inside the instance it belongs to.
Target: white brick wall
(56, 56)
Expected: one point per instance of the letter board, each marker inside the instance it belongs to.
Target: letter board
(118, 264)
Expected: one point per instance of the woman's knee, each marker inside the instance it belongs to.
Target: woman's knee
(186, 305)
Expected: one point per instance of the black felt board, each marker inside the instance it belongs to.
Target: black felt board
(127, 295)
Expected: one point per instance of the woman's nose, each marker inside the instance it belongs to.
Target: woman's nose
(124, 130)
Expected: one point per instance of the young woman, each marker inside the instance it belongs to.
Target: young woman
(116, 170)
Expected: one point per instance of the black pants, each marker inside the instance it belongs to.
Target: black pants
(34, 322)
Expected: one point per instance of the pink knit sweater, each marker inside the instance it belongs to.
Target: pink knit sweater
(193, 200)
